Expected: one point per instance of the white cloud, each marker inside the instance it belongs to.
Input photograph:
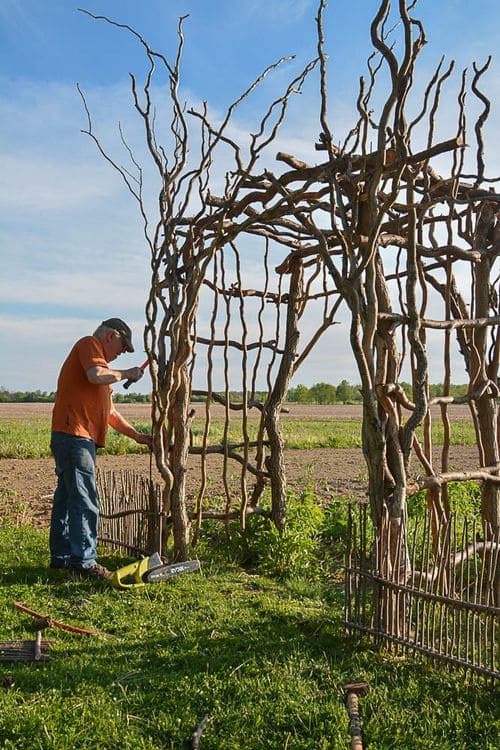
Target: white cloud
(34, 349)
(40, 185)
(107, 287)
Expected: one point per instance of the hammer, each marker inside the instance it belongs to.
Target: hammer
(352, 691)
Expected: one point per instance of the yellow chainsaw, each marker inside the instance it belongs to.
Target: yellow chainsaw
(150, 569)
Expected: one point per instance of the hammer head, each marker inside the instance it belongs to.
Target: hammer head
(358, 688)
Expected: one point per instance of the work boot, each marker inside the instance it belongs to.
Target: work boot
(95, 571)
(56, 563)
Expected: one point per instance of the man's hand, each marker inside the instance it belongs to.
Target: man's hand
(120, 424)
(134, 374)
(144, 440)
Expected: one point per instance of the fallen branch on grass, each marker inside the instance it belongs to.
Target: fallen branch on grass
(195, 737)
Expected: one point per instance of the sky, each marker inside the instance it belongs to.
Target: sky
(71, 238)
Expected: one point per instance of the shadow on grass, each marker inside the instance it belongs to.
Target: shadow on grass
(224, 655)
(241, 648)
(29, 576)
(194, 673)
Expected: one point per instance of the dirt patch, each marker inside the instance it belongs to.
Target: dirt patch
(26, 486)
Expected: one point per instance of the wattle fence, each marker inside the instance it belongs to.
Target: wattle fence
(130, 517)
(444, 604)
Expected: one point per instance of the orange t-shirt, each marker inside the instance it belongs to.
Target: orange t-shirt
(82, 408)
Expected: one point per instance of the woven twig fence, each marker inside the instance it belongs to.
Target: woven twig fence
(134, 516)
(130, 517)
(442, 606)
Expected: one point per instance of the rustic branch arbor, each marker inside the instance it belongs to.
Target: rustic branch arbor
(373, 227)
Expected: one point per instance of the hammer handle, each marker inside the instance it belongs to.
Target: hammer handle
(355, 728)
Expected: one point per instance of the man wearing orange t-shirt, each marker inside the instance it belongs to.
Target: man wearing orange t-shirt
(82, 412)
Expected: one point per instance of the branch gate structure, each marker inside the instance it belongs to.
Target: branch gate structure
(253, 258)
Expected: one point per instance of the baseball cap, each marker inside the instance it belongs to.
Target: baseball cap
(122, 328)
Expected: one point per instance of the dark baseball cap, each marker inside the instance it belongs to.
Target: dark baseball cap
(119, 325)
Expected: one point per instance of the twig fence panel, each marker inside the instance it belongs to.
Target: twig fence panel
(442, 604)
(130, 516)
(135, 517)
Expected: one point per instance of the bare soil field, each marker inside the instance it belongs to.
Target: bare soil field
(294, 411)
(26, 486)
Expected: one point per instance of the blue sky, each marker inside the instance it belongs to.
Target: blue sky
(71, 239)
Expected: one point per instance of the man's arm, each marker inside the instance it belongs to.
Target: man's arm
(106, 376)
(120, 424)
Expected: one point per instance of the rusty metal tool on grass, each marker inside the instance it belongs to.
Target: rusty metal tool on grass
(44, 621)
(128, 383)
(352, 691)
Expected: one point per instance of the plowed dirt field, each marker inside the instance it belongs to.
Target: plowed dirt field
(26, 485)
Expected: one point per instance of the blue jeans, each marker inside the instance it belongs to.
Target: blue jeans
(75, 508)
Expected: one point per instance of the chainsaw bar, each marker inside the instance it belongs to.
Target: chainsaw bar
(165, 572)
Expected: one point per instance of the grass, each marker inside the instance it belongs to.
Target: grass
(30, 437)
(264, 657)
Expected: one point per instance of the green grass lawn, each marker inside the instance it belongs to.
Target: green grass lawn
(30, 437)
(264, 658)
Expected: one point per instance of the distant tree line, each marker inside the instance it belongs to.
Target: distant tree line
(345, 393)
(41, 397)
(25, 396)
(319, 393)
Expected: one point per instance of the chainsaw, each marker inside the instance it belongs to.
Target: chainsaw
(150, 570)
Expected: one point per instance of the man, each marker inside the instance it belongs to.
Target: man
(82, 412)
